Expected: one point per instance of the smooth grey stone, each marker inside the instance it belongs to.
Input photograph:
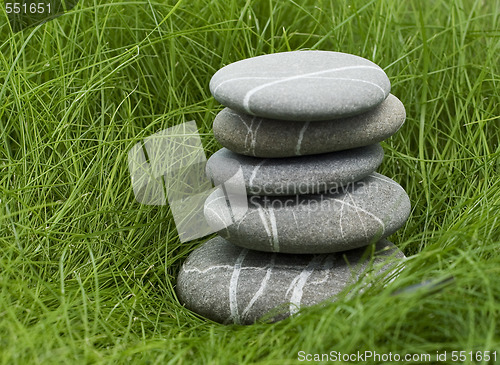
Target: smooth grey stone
(259, 137)
(296, 175)
(301, 85)
(230, 284)
(360, 213)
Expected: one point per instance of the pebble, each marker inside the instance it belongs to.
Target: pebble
(230, 284)
(259, 137)
(301, 85)
(296, 175)
(359, 214)
(299, 210)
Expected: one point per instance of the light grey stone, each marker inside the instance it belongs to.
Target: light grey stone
(229, 284)
(360, 213)
(259, 137)
(301, 85)
(296, 175)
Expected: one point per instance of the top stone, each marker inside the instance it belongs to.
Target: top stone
(301, 85)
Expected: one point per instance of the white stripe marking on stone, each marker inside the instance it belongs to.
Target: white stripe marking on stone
(348, 79)
(248, 95)
(357, 213)
(233, 287)
(250, 133)
(297, 285)
(326, 268)
(274, 229)
(203, 271)
(254, 139)
(263, 218)
(262, 286)
(301, 136)
(295, 219)
(388, 180)
(254, 173)
(340, 220)
(244, 78)
(364, 210)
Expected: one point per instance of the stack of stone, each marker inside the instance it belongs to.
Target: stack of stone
(303, 128)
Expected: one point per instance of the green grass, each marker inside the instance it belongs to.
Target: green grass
(88, 275)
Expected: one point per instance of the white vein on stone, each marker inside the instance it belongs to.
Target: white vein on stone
(244, 78)
(203, 271)
(349, 79)
(270, 227)
(274, 230)
(218, 212)
(365, 211)
(262, 215)
(254, 138)
(357, 213)
(301, 136)
(233, 287)
(249, 129)
(298, 283)
(326, 268)
(251, 134)
(340, 219)
(262, 287)
(248, 95)
(295, 219)
(390, 181)
(238, 224)
(254, 172)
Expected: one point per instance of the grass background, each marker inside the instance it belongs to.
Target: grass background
(87, 274)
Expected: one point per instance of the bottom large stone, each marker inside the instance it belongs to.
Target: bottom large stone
(230, 284)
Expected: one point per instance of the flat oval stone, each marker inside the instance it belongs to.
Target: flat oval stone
(259, 137)
(360, 213)
(296, 175)
(301, 85)
(230, 284)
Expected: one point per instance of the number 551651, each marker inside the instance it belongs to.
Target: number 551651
(32, 8)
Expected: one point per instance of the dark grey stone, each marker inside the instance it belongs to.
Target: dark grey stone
(229, 284)
(301, 85)
(360, 213)
(296, 175)
(254, 136)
